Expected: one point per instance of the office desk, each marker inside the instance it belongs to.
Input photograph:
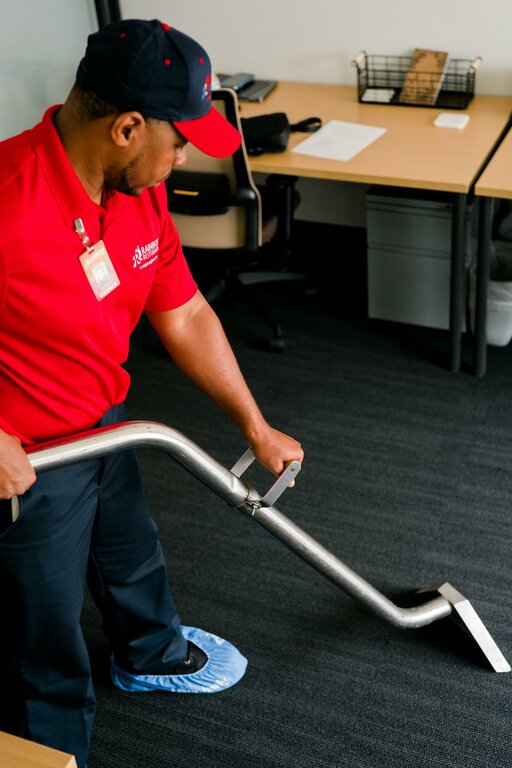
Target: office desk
(412, 153)
(19, 753)
(495, 181)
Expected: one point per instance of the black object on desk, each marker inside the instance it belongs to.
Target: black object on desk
(257, 91)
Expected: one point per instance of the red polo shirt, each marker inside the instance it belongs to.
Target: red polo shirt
(62, 350)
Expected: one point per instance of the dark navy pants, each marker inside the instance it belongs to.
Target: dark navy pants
(88, 521)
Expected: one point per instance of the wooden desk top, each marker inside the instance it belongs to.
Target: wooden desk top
(412, 153)
(496, 180)
(19, 753)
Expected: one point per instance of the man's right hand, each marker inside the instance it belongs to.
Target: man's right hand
(16, 472)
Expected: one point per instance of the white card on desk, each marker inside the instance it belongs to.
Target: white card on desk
(338, 140)
(450, 120)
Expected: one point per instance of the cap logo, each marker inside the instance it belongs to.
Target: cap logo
(207, 88)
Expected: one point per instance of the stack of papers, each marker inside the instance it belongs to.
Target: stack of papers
(381, 95)
(338, 140)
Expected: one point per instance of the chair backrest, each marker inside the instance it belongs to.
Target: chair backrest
(214, 202)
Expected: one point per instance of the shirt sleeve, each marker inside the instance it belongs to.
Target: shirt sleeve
(173, 284)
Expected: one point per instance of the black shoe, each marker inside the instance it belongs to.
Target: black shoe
(193, 662)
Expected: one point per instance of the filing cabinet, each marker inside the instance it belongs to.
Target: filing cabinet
(409, 255)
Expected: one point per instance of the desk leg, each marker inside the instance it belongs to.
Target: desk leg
(457, 279)
(482, 282)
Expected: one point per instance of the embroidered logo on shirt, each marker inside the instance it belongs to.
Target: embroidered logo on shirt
(145, 255)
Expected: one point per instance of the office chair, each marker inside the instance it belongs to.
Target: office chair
(223, 217)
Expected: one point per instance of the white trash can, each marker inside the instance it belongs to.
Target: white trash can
(499, 295)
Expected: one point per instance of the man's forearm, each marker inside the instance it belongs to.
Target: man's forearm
(195, 339)
(201, 350)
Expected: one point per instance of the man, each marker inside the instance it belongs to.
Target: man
(87, 245)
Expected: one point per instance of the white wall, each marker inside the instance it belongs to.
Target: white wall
(316, 42)
(41, 43)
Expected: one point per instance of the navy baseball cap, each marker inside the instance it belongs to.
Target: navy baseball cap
(160, 72)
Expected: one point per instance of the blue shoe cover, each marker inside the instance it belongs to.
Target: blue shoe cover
(224, 667)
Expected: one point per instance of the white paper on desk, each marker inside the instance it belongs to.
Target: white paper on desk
(337, 140)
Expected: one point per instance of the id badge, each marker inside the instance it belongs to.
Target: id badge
(99, 270)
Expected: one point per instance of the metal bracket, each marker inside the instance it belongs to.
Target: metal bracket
(280, 485)
(467, 618)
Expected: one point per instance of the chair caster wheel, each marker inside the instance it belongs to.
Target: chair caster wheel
(276, 345)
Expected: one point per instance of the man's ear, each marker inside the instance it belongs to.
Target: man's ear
(128, 129)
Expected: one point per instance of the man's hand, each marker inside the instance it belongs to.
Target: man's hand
(275, 450)
(16, 472)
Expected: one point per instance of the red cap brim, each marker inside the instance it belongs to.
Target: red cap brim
(212, 134)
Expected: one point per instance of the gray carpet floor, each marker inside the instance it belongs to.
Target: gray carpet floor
(407, 479)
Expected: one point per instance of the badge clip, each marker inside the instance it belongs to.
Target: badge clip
(82, 234)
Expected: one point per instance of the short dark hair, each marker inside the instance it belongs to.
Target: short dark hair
(91, 107)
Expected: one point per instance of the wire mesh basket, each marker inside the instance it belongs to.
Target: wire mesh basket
(380, 80)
